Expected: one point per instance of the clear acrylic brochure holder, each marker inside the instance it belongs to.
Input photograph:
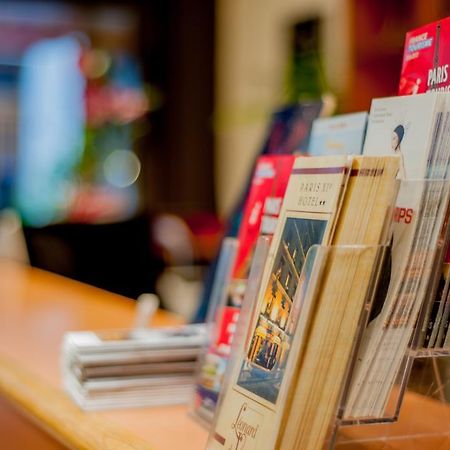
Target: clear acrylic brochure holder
(417, 414)
(348, 432)
(290, 337)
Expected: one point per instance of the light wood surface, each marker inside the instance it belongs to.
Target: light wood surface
(52, 409)
(36, 309)
(18, 433)
(424, 424)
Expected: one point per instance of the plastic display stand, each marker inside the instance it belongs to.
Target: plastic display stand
(422, 369)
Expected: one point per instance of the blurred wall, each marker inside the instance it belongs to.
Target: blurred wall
(252, 53)
(177, 50)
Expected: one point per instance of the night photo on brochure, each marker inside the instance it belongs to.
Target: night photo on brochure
(263, 369)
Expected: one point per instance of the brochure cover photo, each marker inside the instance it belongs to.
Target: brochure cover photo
(263, 368)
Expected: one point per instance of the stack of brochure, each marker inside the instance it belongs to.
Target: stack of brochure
(283, 387)
(418, 128)
(126, 368)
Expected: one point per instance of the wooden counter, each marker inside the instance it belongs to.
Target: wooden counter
(37, 308)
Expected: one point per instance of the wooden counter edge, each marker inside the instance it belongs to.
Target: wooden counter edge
(53, 411)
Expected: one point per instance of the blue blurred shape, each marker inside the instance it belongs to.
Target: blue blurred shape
(51, 129)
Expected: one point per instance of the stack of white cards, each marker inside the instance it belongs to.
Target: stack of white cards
(127, 368)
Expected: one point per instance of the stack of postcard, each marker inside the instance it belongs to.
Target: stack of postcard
(125, 368)
(331, 318)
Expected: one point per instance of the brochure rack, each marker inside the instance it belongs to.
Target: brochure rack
(343, 432)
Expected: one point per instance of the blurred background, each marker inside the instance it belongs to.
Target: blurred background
(128, 129)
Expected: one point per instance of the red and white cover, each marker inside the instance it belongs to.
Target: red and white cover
(262, 207)
(426, 62)
(426, 59)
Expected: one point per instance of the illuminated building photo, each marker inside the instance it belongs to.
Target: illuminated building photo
(263, 369)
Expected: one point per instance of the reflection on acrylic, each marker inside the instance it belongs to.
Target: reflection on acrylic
(263, 368)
